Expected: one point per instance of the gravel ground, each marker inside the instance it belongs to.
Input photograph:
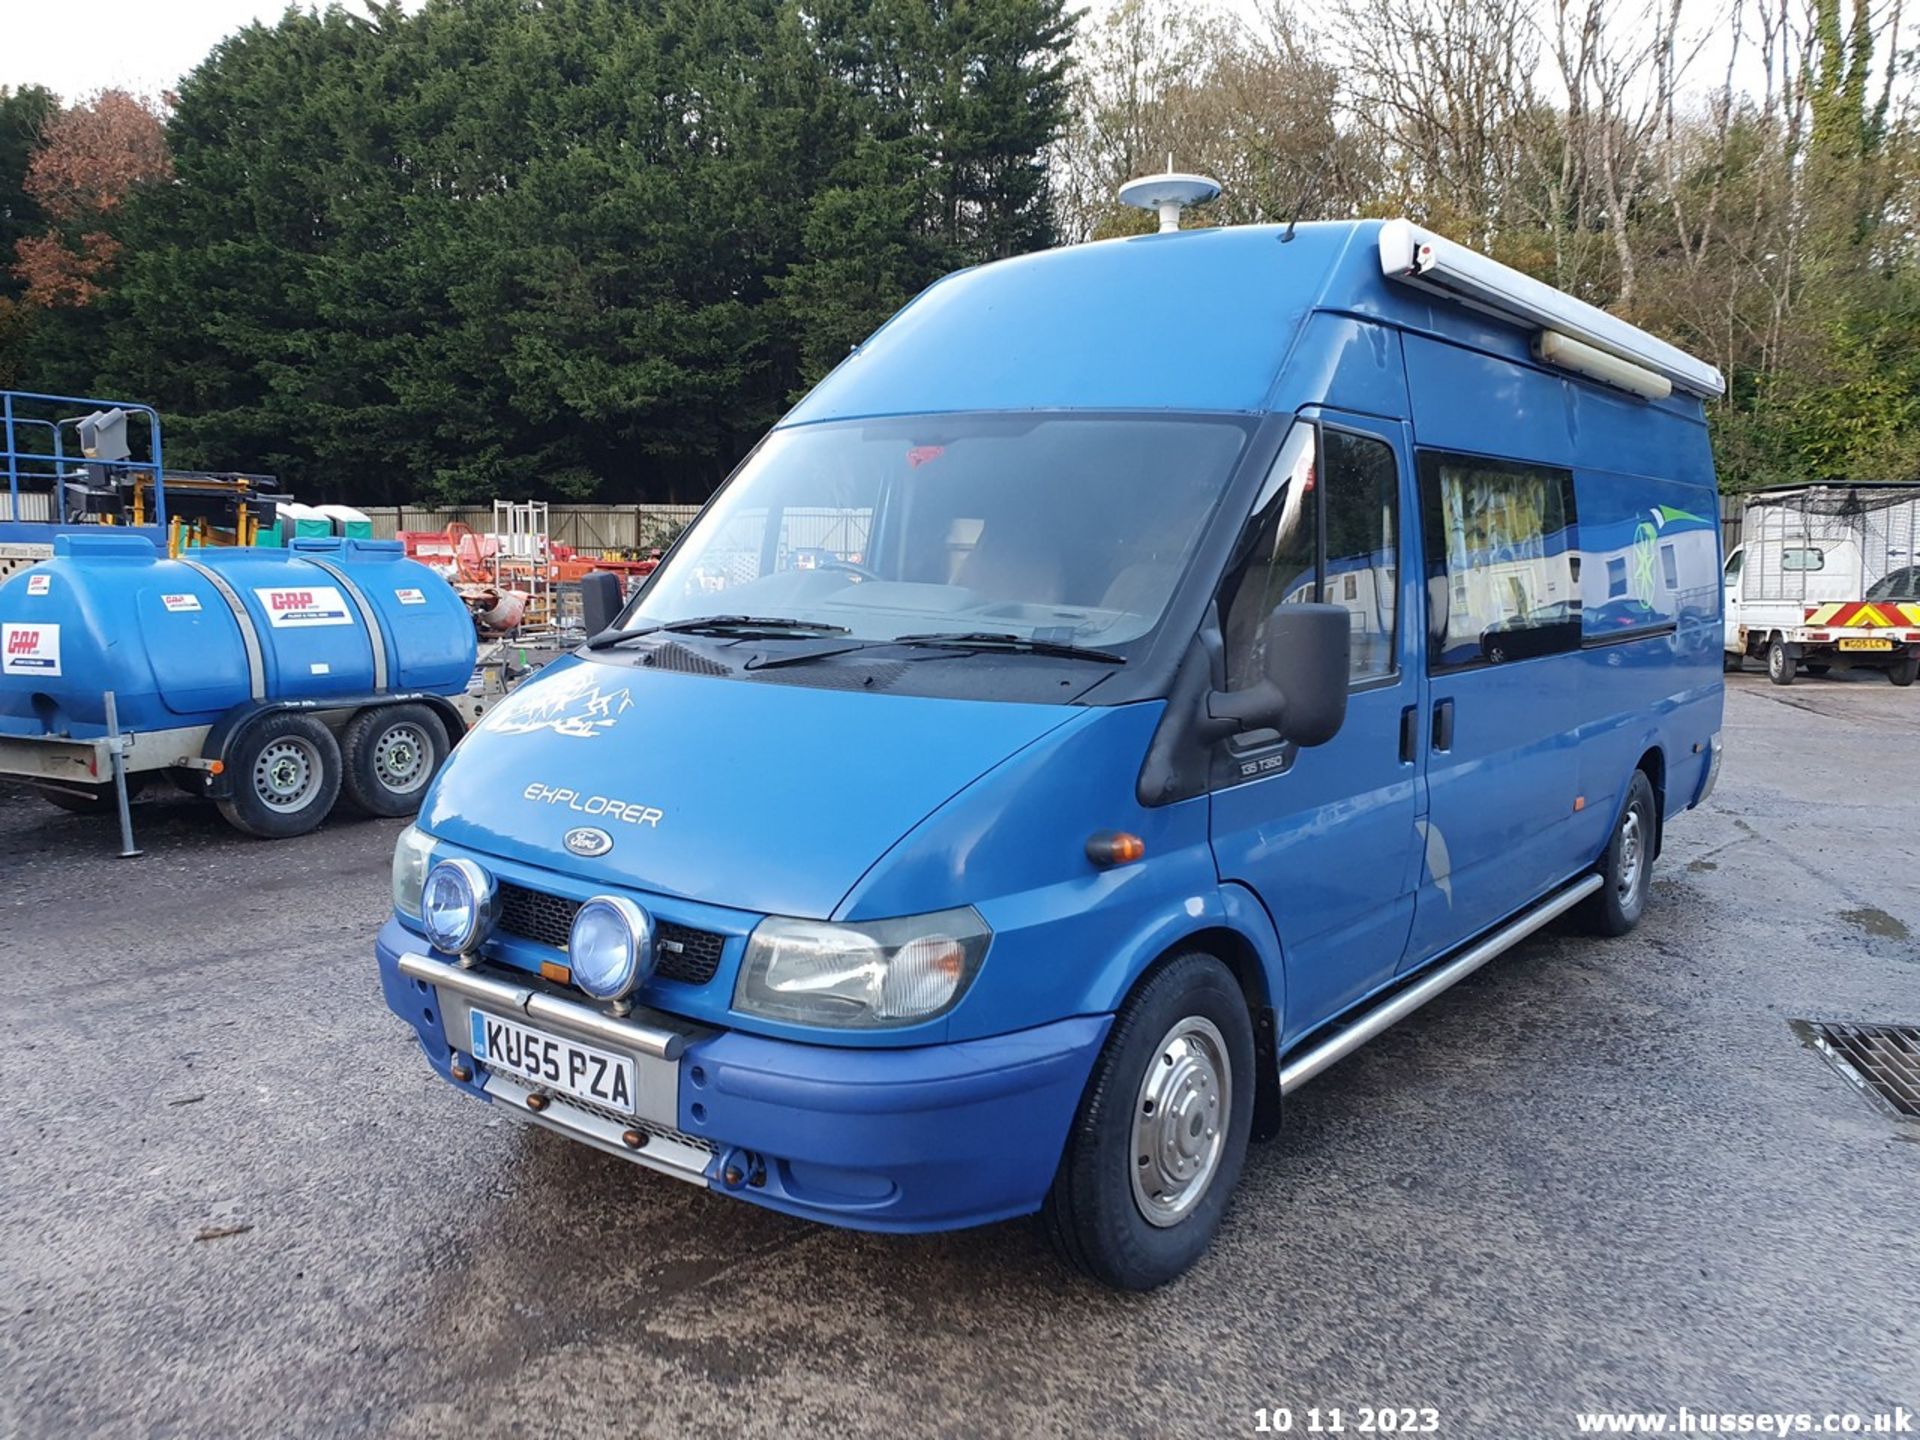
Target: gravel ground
(1596, 1175)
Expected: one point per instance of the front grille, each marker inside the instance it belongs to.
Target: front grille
(685, 954)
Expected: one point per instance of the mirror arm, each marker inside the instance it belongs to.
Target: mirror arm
(1228, 712)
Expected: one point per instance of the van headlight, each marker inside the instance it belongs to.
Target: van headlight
(864, 976)
(412, 855)
(457, 906)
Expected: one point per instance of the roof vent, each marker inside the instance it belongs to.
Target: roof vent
(1169, 193)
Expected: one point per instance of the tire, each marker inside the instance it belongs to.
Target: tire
(286, 776)
(1816, 669)
(1732, 661)
(94, 799)
(1097, 1213)
(1902, 672)
(389, 755)
(1627, 868)
(1780, 662)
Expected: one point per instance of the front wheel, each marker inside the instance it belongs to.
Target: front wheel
(1157, 1146)
(1781, 665)
(1627, 869)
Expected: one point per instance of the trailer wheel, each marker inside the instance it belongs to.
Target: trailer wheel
(286, 776)
(94, 799)
(391, 753)
(1781, 665)
(1902, 672)
(1627, 868)
(1157, 1146)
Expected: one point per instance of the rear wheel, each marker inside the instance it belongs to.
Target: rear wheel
(1816, 669)
(286, 776)
(390, 754)
(1157, 1146)
(1627, 869)
(1731, 661)
(1902, 672)
(93, 799)
(1781, 665)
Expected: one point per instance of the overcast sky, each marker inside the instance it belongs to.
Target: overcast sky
(76, 47)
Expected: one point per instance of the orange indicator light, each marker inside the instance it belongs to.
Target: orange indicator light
(1115, 847)
(559, 974)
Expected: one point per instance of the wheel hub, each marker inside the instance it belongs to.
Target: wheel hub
(400, 757)
(287, 774)
(1179, 1121)
(1630, 853)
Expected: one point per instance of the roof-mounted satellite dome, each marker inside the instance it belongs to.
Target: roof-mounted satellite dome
(1169, 194)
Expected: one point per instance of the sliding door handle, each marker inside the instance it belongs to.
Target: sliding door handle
(1443, 724)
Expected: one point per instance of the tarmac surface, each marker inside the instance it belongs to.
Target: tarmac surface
(1597, 1175)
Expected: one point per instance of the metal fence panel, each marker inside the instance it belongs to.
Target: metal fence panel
(589, 529)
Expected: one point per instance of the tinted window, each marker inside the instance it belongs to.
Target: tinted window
(1500, 546)
(1352, 492)
(1900, 585)
(1362, 506)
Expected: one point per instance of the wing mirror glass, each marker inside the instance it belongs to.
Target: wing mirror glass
(1302, 692)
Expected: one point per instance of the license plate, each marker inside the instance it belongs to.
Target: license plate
(554, 1062)
(1866, 644)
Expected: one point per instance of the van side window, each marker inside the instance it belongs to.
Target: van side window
(1363, 535)
(1501, 550)
(1355, 483)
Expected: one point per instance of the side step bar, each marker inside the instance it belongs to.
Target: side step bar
(1343, 1042)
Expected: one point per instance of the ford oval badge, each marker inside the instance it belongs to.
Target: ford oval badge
(588, 842)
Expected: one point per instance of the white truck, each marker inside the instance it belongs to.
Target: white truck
(1826, 577)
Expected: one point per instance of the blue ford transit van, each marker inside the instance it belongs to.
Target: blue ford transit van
(1139, 674)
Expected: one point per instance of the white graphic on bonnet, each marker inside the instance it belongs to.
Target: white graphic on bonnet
(571, 704)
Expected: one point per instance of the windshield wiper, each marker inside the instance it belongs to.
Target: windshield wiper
(983, 640)
(731, 626)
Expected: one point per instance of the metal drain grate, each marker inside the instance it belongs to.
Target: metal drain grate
(1882, 1060)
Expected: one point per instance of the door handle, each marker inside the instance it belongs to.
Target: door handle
(1409, 734)
(1443, 724)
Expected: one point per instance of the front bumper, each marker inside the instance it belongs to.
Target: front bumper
(933, 1137)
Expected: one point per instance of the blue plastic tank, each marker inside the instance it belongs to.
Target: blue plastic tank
(171, 638)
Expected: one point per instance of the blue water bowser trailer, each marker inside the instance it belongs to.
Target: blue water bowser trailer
(270, 681)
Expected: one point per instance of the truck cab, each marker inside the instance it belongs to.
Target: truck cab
(1135, 677)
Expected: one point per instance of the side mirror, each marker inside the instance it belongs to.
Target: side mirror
(1303, 691)
(600, 600)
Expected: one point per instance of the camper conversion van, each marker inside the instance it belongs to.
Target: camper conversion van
(1138, 675)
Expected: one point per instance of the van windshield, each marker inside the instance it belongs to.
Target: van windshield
(1056, 529)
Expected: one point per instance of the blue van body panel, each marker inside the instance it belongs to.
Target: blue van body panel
(1068, 937)
(1332, 873)
(773, 798)
(1199, 320)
